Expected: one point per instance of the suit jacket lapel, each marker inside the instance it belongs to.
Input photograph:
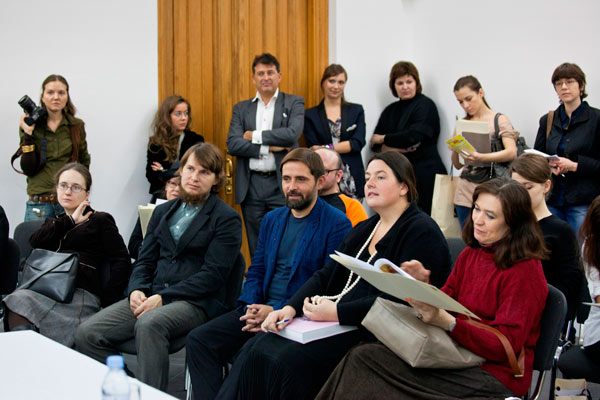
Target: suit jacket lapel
(163, 225)
(309, 231)
(278, 112)
(277, 235)
(250, 117)
(197, 224)
(324, 122)
(344, 112)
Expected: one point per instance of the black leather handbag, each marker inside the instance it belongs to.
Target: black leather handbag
(51, 274)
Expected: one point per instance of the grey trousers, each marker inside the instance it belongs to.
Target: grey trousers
(152, 331)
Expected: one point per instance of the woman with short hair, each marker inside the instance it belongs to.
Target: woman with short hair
(412, 127)
(573, 136)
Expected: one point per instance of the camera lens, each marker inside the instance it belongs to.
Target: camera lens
(27, 104)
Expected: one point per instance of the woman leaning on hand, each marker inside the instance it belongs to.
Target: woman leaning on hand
(170, 140)
(65, 141)
(574, 136)
(499, 278)
(412, 127)
(339, 125)
(95, 237)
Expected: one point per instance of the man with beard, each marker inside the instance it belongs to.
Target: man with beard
(178, 282)
(330, 191)
(294, 242)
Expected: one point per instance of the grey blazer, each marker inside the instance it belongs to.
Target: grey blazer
(288, 122)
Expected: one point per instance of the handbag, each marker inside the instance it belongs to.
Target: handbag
(502, 169)
(422, 345)
(571, 389)
(51, 274)
(442, 205)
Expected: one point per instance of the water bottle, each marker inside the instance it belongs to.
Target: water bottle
(116, 383)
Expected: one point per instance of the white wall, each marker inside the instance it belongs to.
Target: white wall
(107, 50)
(511, 46)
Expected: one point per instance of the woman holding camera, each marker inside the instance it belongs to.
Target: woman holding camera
(171, 139)
(55, 139)
(95, 237)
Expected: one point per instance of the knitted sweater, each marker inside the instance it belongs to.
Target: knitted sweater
(511, 301)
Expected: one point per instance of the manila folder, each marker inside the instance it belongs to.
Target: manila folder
(401, 287)
(145, 214)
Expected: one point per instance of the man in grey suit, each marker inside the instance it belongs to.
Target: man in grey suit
(261, 133)
(179, 279)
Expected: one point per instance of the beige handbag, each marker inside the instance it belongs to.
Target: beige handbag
(422, 345)
(442, 205)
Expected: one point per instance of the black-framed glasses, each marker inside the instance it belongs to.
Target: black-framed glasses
(331, 170)
(62, 186)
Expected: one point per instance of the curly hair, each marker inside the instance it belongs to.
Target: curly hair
(165, 134)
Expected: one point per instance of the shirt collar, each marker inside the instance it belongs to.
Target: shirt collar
(257, 97)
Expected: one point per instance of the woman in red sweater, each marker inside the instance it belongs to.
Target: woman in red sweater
(498, 277)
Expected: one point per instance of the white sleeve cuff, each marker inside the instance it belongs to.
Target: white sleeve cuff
(264, 150)
(257, 137)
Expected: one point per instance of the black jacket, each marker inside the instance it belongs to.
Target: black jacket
(414, 236)
(157, 153)
(97, 241)
(197, 267)
(583, 147)
(317, 132)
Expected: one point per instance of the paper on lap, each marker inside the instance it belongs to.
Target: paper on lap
(398, 285)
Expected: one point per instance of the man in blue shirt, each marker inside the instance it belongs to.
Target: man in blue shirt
(294, 241)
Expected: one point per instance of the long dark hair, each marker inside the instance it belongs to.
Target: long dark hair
(524, 238)
(590, 232)
(333, 70)
(165, 134)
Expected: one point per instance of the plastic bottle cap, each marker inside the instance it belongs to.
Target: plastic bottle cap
(115, 362)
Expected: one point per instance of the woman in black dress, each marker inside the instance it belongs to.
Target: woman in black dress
(412, 127)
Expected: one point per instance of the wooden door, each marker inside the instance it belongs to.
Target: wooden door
(205, 53)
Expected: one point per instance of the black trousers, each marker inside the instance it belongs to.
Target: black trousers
(212, 345)
(577, 363)
(263, 195)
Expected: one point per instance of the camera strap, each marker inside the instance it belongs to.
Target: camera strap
(20, 152)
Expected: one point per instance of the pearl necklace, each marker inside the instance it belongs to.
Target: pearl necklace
(348, 287)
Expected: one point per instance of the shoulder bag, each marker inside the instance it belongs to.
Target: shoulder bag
(51, 274)
(422, 345)
(502, 169)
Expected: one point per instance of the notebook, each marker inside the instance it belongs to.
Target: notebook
(303, 330)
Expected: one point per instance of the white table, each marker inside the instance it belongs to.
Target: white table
(35, 367)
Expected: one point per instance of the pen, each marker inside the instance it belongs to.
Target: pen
(283, 321)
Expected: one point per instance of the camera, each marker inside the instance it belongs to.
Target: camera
(34, 111)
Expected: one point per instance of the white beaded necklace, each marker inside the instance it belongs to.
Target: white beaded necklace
(348, 287)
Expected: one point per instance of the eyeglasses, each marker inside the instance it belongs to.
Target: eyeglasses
(331, 170)
(568, 82)
(74, 188)
(172, 185)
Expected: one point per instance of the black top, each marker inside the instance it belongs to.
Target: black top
(414, 236)
(157, 153)
(317, 132)
(562, 268)
(6, 282)
(135, 240)
(408, 122)
(334, 200)
(97, 241)
(582, 146)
